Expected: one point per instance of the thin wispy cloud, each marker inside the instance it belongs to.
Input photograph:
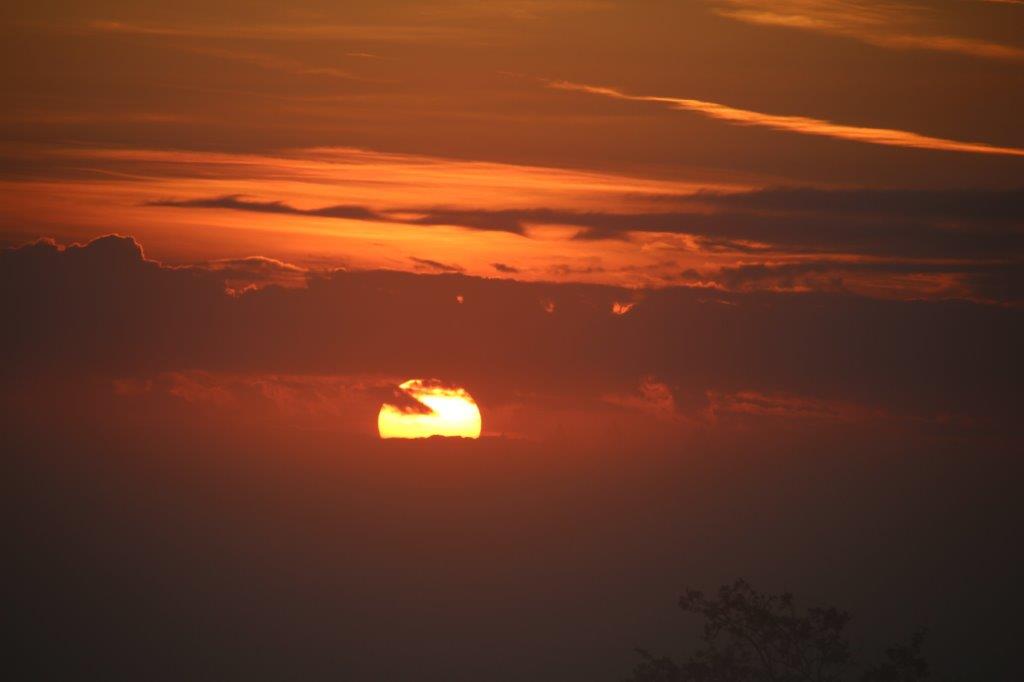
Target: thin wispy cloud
(897, 26)
(516, 9)
(271, 62)
(428, 264)
(361, 32)
(802, 124)
(395, 179)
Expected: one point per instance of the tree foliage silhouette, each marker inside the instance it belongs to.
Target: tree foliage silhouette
(754, 637)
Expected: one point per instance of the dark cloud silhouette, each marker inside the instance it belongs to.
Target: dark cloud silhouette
(945, 204)
(901, 223)
(436, 265)
(501, 220)
(405, 402)
(564, 269)
(104, 307)
(994, 283)
(501, 267)
(238, 202)
(481, 220)
(814, 233)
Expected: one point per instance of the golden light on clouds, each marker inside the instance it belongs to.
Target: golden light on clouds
(622, 308)
(425, 408)
(802, 124)
(891, 25)
(325, 207)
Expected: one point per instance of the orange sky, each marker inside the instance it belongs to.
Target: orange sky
(736, 288)
(570, 140)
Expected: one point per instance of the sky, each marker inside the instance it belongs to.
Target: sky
(736, 286)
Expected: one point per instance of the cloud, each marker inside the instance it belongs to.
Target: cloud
(651, 397)
(951, 224)
(410, 179)
(404, 401)
(253, 272)
(436, 265)
(279, 31)
(565, 269)
(130, 316)
(641, 233)
(501, 267)
(619, 308)
(502, 221)
(238, 203)
(272, 62)
(949, 203)
(986, 282)
(752, 403)
(515, 9)
(893, 221)
(802, 124)
(894, 25)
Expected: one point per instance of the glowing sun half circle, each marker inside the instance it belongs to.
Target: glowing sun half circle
(425, 408)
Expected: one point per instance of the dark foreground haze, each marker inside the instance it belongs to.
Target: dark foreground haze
(194, 550)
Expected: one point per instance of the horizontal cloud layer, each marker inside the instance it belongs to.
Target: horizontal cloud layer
(893, 221)
(104, 308)
(969, 237)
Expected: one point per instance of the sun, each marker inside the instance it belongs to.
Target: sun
(424, 408)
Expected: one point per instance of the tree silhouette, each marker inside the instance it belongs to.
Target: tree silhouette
(754, 637)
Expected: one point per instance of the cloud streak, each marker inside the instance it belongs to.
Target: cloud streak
(503, 221)
(948, 224)
(272, 62)
(429, 264)
(295, 32)
(801, 124)
(883, 25)
(239, 203)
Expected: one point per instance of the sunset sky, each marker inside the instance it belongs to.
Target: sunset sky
(727, 288)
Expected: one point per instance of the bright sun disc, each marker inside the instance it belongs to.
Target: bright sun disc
(429, 408)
